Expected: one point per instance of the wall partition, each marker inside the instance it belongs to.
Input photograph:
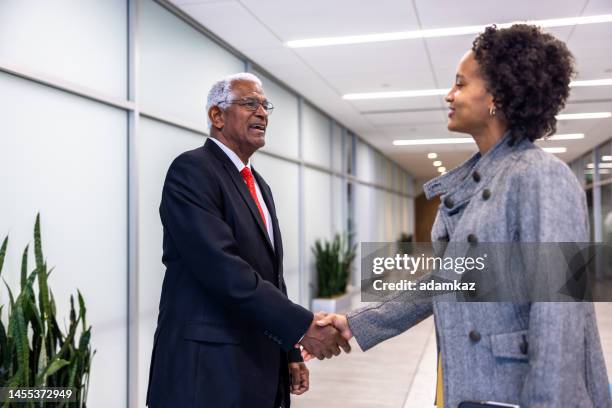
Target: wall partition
(98, 98)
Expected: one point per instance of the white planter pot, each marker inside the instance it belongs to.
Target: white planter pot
(336, 304)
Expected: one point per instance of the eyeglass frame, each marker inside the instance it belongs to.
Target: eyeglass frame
(248, 104)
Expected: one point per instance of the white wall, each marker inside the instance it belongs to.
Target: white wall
(67, 156)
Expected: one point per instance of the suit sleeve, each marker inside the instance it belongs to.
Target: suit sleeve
(194, 219)
(552, 208)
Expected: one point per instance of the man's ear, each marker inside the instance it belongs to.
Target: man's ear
(216, 117)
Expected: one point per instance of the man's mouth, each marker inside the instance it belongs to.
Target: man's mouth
(258, 126)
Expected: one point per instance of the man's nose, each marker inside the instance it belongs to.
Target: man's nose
(261, 111)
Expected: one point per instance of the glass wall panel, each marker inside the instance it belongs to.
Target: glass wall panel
(282, 176)
(316, 129)
(338, 205)
(75, 175)
(178, 65)
(56, 38)
(317, 216)
(365, 166)
(283, 125)
(159, 145)
(337, 153)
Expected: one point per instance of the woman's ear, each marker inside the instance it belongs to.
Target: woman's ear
(216, 117)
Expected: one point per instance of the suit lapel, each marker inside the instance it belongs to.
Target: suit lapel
(267, 196)
(242, 188)
(248, 199)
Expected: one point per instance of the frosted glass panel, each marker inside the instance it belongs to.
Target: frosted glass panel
(84, 42)
(283, 125)
(159, 145)
(70, 164)
(282, 176)
(337, 153)
(338, 205)
(365, 164)
(178, 65)
(316, 133)
(317, 214)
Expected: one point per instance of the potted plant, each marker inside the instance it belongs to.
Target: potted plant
(34, 351)
(333, 261)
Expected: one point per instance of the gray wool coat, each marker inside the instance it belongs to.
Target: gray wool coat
(541, 354)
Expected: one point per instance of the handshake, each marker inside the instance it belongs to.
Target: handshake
(327, 334)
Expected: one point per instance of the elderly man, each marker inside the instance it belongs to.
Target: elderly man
(227, 333)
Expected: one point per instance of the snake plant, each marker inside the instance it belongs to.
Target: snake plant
(333, 263)
(34, 351)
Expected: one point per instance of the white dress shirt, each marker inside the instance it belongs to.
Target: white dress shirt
(240, 165)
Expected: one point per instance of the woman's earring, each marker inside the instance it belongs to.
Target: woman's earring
(492, 111)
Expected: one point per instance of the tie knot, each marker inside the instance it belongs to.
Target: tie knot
(247, 175)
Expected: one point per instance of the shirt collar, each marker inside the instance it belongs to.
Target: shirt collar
(485, 166)
(232, 155)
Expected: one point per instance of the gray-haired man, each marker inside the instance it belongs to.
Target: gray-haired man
(226, 331)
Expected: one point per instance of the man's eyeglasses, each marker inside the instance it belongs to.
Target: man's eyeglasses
(253, 104)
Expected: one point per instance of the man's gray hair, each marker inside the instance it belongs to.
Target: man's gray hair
(221, 91)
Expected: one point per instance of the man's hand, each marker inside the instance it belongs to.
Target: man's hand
(323, 341)
(299, 376)
(339, 321)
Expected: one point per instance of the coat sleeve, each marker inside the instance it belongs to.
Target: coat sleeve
(378, 322)
(193, 217)
(552, 209)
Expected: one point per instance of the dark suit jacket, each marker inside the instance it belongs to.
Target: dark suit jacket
(226, 327)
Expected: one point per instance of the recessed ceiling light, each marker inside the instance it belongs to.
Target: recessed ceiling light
(555, 149)
(606, 158)
(439, 32)
(417, 142)
(568, 136)
(432, 156)
(442, 169)
(437, 163)
(591, 115)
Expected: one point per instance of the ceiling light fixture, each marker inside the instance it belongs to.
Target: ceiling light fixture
(555, 149)
(442, 169)
(439, 32)
(606, 158)
(592, 82)
(601, 165)
(591, 115)
(432, 155)
(444, 91)
(417, 142)
(394, 94)
(437, 163)
(568, 136)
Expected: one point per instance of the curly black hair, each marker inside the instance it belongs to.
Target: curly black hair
(528, 73)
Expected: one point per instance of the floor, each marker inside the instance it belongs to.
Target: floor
(399, 373)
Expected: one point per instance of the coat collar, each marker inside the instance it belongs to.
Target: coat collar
(462, 181)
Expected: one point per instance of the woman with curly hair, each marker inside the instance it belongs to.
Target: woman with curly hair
(507, 91)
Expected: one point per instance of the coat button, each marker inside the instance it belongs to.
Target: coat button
(486, 194)
(474, 336)
(448, 202)
(476, 176)
(472, 239)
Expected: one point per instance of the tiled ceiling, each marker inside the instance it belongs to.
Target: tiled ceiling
(260, 28)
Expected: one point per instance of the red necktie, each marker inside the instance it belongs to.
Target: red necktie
(250, 182)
